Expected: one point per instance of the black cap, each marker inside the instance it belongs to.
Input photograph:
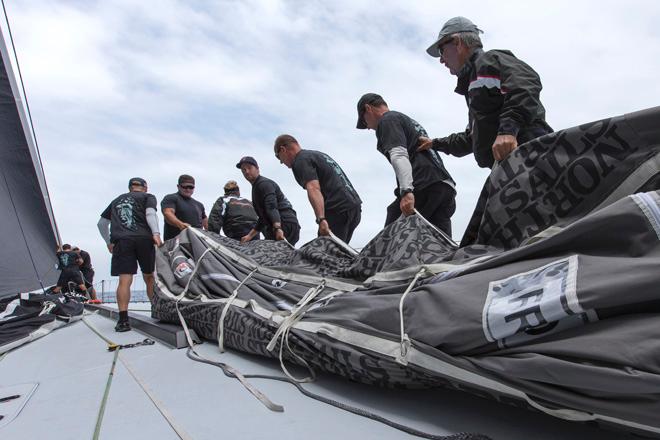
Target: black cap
(247, 159)
(138, 181)
(367, 98)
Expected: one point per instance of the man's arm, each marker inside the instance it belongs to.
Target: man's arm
(152, 221)
(104, 228)
(170, 218)
(404, 175)
(456, 144)
(215, 220)
(317, 201)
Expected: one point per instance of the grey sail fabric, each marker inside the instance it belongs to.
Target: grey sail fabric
(27, 238)
(556, 307)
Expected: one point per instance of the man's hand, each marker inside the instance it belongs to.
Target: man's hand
(245, 238)
(279, 234)
(424, 143)
(407, 204)
(504, 145)
(183, 226)
(111, 246)
(157, 241)
(324, 228)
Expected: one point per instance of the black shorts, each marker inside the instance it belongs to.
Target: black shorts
(69, 276)
(88, 277)
(128, 252)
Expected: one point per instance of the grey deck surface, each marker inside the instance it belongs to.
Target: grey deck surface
(71, 366)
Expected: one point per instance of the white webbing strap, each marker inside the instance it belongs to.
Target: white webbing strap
(285, 326)
(402, 358)
(228, 369)
(221, 321)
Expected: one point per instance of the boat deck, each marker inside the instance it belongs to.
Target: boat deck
(70, 368)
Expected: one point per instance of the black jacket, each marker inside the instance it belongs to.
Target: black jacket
(271, 205)
(233, 214)
(503, 97)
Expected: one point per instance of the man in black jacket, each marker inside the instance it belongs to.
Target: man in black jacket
(501, 91)
(335, 202)
(503, 98)
(277, 219)
(232, 213)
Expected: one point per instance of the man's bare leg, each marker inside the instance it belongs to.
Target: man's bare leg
(124, 292)
(149, 282)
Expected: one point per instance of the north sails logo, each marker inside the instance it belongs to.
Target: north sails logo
(528, 305)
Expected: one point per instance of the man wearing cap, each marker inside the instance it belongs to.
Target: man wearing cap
(501, 91)
(277, 219)
(423, 182)
(335, 202)
(232, 213)
(503, 98)
(181, 210)
(129, 226)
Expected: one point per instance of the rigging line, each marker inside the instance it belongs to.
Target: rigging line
(29, 113)
(27, 246)
(104, 401)
(349, 408)
(159, 406)
(183, 435)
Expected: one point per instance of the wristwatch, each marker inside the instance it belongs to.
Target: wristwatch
(319, 220)
(405, 191)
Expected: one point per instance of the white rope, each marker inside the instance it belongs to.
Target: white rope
(221, 321)
(282, 333)
(402, 358)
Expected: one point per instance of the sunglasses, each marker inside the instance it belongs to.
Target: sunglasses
(187, 186)
(441, 48)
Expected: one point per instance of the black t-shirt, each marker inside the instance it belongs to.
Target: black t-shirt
(338, 192)
(87, 260)
(128, 215)
(271, 204)
(188, 210)
(398, 130)
(67, 260)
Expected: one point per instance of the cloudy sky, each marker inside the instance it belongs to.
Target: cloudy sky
(127, 88)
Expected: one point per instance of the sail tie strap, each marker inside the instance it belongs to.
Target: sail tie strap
(402, 358)
(283, 330)
(221, 321)
(227, 368)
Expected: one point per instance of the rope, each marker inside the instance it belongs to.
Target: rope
(112, 346)
(104, 400)
(352, 409)
(183, 435)
(402, 358)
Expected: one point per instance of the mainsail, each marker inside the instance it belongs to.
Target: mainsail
(28, 233)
